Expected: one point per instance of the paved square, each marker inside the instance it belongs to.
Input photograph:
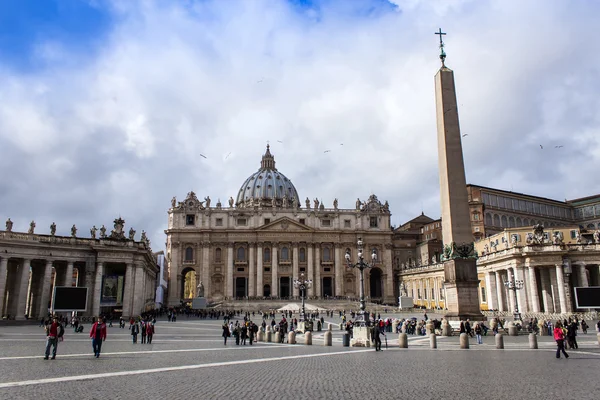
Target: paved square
(187, 359)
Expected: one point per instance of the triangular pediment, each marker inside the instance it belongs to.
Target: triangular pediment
(285, 224)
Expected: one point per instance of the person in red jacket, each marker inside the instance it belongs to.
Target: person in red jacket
(98, 335)
(559, 336)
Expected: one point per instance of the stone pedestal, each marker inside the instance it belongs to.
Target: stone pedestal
(292, 337)
(269, 336)
(512, 329)
(499, 341)
(429, 327)
(327, 338)
(308, 338)
(360, 337)
(433, 341)
(533, 341)
(446, 328)
(277, 338)
(464, 341)
(261, 336)
(394, 326)
(462, 290)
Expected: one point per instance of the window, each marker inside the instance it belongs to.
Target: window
(219, 222)
(573, 234)
(475, 217)
(419, 294)
(241, 254)
(483, 294)
(240, 269)
(476, 229)
(190, 219)
(326, 254)
(346, 223)
(325, 222)
(267, 255)
(303, 221)
(441, 293)
(302, 255)
(432, 294)
(500, 201)
(504, 222)
(218, 255)
(267, 221)
(425, 293)
(285, 254)
(189, 254)
(242, 221)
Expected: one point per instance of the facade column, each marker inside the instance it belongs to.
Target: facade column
(338, 270)
(582, 275)
(45, 286)
(295, 270)
(98, 288)
(23, 289)
(174, 285)
(546, 291)
(511, 293)
(229, 273)
(533, 290)
(317, 281)
(310, 268)
(69, 274)
(522, 295)
(259, 271)
(138, 294)
(560, 282)
(3, 276)
(251, 270)
(500, 291)
(490, 277)
(388, 284)
(274, 272)
(128, 290)
(206, 280)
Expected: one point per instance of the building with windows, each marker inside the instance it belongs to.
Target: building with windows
(266, 237)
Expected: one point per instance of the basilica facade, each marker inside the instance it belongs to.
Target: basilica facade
(267, 237)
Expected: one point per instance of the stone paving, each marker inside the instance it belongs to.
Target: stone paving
(188, 359)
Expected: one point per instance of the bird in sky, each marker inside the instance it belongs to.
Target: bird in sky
(202, 155)
(227, 155)
(326, 151)
(260, 80)
(466, 134)
(541, 147)
(341, 144)
(558, 147)
(279, 141)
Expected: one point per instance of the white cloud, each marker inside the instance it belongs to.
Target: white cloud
(123, 133)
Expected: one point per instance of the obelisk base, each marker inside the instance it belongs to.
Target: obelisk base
(462, 290)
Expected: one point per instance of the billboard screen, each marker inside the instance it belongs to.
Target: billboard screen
(587, 297)
(70, 298)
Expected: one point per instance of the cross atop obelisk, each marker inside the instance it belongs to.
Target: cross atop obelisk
(459, 258)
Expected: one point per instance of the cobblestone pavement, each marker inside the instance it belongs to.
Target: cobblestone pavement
(188, 359)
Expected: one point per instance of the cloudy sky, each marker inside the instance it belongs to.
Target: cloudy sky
(106, 106)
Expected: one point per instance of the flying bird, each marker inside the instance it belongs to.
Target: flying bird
(227, 155)
(466, 134)
(326, 151)
(202, 155)
(558, 147)
(259, 81)
(541, 147)
(279, 141)
(341, 144)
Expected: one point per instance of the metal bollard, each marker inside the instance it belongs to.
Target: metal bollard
(327, 338)
(433, 341)
(499, 341)
(308, 338)
(533, 341)
(464, 341)
(403, 340)
(292, 337)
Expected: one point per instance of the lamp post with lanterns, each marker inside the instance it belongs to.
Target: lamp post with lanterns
(362, 319)
(302, 284)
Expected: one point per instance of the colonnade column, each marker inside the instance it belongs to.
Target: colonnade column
(98, 288)
(138, 301)
(511, 293)
(560, 282)
(317, 282)
(23, 286)
(533, 290)
(229, 273)
(259, 271)
(3, 275)
(69, 274)
(206, 281)
(338, 270)
(546, 291)
(274, 272)
(582, 275)
(45, 298)
(295, 269)
(128, 290)
(490, 283)
(500, 291)
(522, 295)
(251, 271)
(174, 284)
(310, 267)
(388, 283)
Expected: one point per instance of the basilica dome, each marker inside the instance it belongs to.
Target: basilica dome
(267, 187)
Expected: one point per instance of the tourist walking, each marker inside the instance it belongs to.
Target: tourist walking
(54, 331)
(98, 335)
(226, 334)
(559, 336)
(478, 332)
(572, 335)
(376, 339)
(135, 330)
(143, 327)
(149, 332)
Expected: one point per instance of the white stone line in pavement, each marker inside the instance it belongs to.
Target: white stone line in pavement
(268, 346)
(168, 369)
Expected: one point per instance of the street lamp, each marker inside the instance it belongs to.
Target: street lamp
(361, 320)
(514, 285)
(302, 284)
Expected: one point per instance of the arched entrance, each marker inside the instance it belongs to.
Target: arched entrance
(188, 283)
(241, 287)
(267, 290)
(284, 287)
(376, 284)
(327, 286)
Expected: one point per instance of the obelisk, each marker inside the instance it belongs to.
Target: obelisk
(459, 258)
